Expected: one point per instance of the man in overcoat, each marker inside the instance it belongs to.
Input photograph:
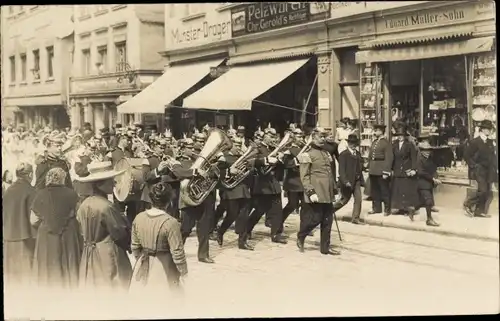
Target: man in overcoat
(481, 157)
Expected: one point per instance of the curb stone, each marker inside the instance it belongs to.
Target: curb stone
(434, 230)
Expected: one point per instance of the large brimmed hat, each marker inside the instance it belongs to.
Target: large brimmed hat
(486, 124)
(99, 171)
(424, 145)
(379, 127)
(353, 139)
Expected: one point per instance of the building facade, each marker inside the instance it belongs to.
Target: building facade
(36, 46)
(115, 56)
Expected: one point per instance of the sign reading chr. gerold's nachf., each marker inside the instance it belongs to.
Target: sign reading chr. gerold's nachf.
(264, 16)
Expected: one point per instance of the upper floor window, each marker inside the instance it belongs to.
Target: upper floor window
(21, 8)
(86, 62)
(99, 8)
(12, 68)
(103, 59)
(24, 67)
(186, 9)
(84, 10)
(36, 64)
(11, 9)
(171, 9)
(121, 55)
(50, 62)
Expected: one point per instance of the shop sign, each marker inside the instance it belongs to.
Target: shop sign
(214, 27)
(265, 16)
(428, 18)
(107, 84)
(349, 8)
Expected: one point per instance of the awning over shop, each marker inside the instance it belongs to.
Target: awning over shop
(174, 82)
(426, 51)
(236, 89)
(448, 32)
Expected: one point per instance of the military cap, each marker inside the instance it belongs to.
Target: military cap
(188, 142)
(241, 128)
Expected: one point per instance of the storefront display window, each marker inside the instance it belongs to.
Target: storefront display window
(372, 102)
(484, 96)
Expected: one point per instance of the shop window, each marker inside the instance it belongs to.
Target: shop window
(24, 67)
(50, 62)
(103, 59)
(86, 62)
(12, 69)
(36, 64)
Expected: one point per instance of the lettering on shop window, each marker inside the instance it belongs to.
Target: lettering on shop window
(419, 19)
(264, 16)
(202, 32)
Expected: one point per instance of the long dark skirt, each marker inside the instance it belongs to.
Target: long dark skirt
(404, 193)
(17, 261)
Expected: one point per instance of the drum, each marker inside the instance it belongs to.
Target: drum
(129, 185)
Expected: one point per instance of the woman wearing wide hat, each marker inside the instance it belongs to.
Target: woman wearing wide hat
(404, 195)
(105, 263)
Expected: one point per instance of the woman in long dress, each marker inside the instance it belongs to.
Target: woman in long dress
(157, 246)
(105, 264)
(59, 242)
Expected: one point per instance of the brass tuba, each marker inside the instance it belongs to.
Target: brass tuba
(195, 190)
(285, 142)
(241, 164)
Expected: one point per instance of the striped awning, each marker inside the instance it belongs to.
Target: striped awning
(272, 55)
(424, 36)
(426, 51)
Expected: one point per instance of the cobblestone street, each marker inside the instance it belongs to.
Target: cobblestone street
(382, 271)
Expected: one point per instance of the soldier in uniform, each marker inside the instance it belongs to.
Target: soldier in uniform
(291, 180)
(319, 192)
(53, 158)
(481, 157)
(266, 191)
(236, 200)
(200, 215)
(380, 160)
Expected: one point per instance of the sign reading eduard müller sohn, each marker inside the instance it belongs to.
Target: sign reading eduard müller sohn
(264, 16)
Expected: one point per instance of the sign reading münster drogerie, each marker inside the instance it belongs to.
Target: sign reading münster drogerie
(264, 16)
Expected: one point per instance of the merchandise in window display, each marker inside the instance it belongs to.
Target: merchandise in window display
(370, 111)
(484, 95)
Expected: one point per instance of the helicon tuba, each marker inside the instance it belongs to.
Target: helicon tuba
(195, 190)
(241, 164)
(285, 142)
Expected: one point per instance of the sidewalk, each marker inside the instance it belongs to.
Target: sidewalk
(452, 222)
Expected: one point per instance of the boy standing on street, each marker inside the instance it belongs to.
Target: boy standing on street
(426, 173)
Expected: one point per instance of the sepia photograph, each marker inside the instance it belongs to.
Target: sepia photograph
(244, 160)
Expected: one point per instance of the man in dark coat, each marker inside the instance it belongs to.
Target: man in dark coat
(351, 177)
(319, 193)
(379, 170)
(52, 159)
(426, 172)
(482, 160)
(404, 194)
(18, 235)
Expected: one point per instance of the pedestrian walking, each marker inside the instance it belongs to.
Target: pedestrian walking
(482, 160)
(351, 178)
(58, 240)
(426, 172)
(380, 160)
(18, 235)
(317, 178)
(106, 233)
(157, 246)
(404, 194)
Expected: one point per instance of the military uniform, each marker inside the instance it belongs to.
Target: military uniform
(237, 202)
(380, 161)
(292, 184)
(266, 193)
(318, 179)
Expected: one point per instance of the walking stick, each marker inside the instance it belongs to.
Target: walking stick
(337, 224)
